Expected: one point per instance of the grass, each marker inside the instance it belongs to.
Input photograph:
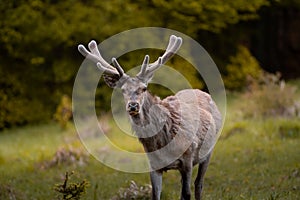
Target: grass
(253, 159)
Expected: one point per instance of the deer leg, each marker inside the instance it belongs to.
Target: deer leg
(186, 174)
(200, 177)
(156, 182)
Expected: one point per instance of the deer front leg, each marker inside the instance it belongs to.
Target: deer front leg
(186, 174)
(200, 178)
(156, 182)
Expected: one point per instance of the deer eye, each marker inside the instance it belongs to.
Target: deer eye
(141, 90)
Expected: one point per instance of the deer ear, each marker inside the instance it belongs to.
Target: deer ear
(115, 81)
(111, 80)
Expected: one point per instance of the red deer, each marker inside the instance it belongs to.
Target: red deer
(183, 126)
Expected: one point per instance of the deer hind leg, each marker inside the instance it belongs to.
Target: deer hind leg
(186, 175)
(156, 182)
(200, 177)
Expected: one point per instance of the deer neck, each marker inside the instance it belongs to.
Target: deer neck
(144, 117)
(152, 124)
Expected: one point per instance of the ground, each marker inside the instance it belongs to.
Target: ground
(253, 159)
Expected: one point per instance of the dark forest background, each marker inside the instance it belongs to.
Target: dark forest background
(38, 43)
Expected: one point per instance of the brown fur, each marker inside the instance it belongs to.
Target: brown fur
(170, 107)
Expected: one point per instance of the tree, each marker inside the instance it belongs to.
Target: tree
(39, 38)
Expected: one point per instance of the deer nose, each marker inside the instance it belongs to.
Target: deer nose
(133, 106)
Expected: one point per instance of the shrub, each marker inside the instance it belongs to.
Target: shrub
(70, 191)
(63, 111)
(241, 66)
(134, 192)
(66, 156)
(269, 96)
(21, 101)
(16, 110)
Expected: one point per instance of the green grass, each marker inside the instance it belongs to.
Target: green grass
(253, 159)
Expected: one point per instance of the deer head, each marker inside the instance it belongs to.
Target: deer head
(133, 88)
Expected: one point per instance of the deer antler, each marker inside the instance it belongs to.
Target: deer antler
(147, 69)
(95, 56)
(113, 76)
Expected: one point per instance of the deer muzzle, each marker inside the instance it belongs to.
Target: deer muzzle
(133, 108)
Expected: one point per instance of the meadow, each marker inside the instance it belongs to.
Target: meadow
(255, 158)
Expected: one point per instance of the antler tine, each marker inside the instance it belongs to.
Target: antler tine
(87, 54)
(95, 51)
(95, 56)
(106, 70)
(172, 40)
(117, 66)
(145, 64)
(148, 69)
(172, 48)
(93, 48)
(154, 66)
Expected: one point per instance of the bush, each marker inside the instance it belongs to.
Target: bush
(241, 66)
(269, 96)
(63, 112)
(70, 191)
(20, 111)
(66, 156)
(19, 103)
(134, 192)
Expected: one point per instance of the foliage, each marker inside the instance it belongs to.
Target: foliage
(134, 192)
(38, 40)
(206, 14)
(242, 66)
(287, 3)
(270, 96)
(63, 111)
(71, 190)
(17, 107)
